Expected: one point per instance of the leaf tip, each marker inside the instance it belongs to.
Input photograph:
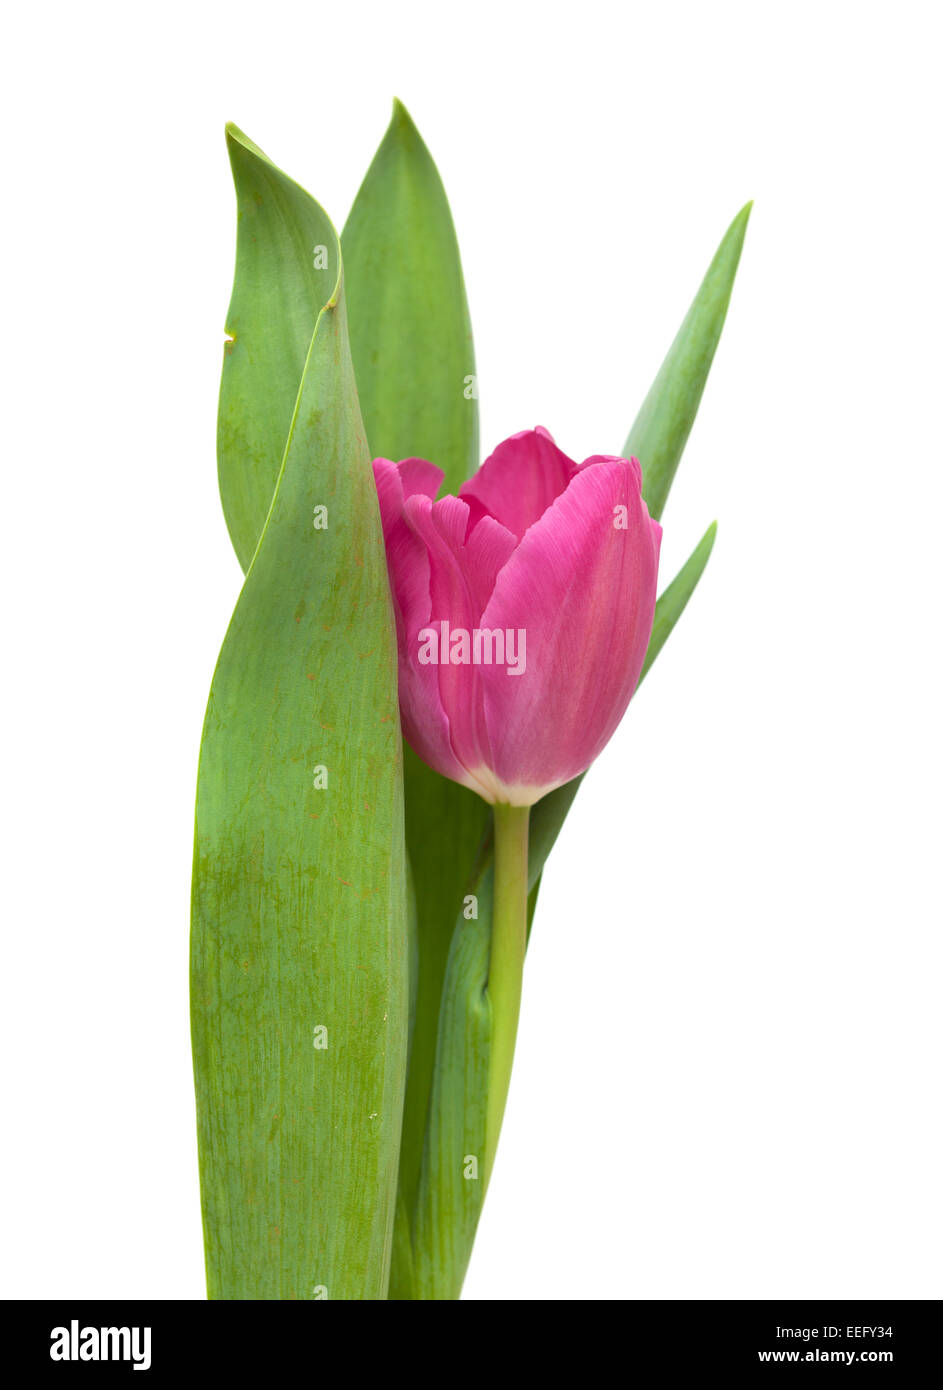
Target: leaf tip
(401, 116)
(738, 227)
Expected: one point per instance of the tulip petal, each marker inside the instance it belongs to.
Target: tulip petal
(461, 579)
(549, 814)
(407, 558)
(583, 591)
(410, 571)
(519, 481)
(487, 549)
(418, 476)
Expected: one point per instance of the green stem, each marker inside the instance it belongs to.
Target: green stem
(506, 962)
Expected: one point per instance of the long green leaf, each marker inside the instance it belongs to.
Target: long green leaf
(299, 972)
(445, 824)
(657, 439)
(673, 601)
(410, 332)
(661, 428)
(414, 360)
(447, 1205)
(451, 1187)
(285, 272)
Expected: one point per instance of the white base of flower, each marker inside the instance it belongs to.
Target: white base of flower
(483, 781)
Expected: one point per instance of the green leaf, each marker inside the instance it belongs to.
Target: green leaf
(299, 893)
(445, 824)
(672, 603)
(451, 1187)
(277, 294)
(413, 355)
(657, 439)
(662, 426)
(446, 1210)
(410, 333)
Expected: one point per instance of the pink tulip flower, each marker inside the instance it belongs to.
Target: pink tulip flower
(523, 608)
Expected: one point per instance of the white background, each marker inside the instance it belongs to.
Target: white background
(728, 1077)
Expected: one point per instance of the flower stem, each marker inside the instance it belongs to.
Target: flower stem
(506, 963)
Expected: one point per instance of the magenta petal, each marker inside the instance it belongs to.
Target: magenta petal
(583, 590)
(425, 722)
(419, 476)
(519, 481)
(523, 611)
(487, 550)
(397, 481)
(462, 578)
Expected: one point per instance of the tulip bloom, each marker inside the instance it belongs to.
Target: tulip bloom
(523, 607)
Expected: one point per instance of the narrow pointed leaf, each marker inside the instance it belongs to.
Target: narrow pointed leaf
(447, 1204)
(414, 359)
(672, 603)
(444, 828)
(657, 439)
(451, 1187)
(285, 272)
(410, 331)
(438, 1257)
(661, 428)
(299, 977)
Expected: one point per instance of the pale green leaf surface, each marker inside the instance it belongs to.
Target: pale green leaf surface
(410, 331)
(661, 428)
(299, 894)
(277, 294)
(412, 348)
(451, 1187)
(657, 438)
